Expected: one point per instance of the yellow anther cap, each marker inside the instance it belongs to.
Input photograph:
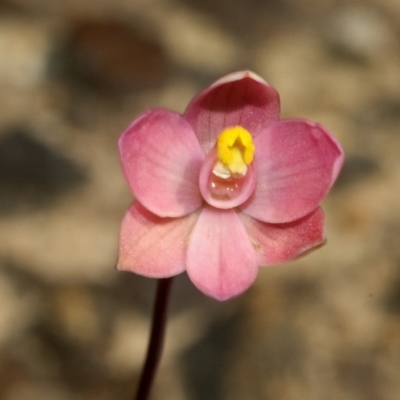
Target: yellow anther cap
(235, 149)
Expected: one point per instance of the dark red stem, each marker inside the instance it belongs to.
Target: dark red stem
(155, 347)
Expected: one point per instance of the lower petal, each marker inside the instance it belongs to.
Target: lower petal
(277, 243)
(221, 260)
(152, 246)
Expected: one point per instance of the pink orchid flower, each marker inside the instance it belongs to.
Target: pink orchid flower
(225, 188)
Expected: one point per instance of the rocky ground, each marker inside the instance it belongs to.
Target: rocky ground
(73, 75)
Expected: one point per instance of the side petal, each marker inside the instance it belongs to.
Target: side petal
(221, 260)
(161, 159)
(296, 163)
(241, 98)
(277, 243)
(153, 246)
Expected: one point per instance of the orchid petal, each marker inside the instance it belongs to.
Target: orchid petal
(152, 246)
(241, 98)
(161, 159)
(221, 260)
(296, 163)
(278, 243)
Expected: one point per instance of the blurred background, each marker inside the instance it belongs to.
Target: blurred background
(73, 74)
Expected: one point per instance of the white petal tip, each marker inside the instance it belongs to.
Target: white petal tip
(237, 76)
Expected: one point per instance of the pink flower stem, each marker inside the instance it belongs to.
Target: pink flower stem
(155, 347)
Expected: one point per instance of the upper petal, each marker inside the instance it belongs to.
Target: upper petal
(277, 243)
(296, 164)
(153, 246)
(161, 159)
(240, 98)
(221, 260)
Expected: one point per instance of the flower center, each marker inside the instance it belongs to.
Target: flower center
(235, 152)
(227, 178)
